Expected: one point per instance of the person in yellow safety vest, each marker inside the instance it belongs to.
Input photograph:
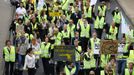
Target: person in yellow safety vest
(117, 17)
(88, 10)
(78, 51)
(113, 32)
(42, 16)
(104, 60)
(110, 66)
(131, 33)
(36, 49)
(70, 69)
(99, 24)
(122, 56)
(46, 55)
(94, 45)
(131, 56)
(71, 29)
(93, 42)
(9, 55)
(65, 4)
(130, 69)
(89, 62)
(57, 37)
(102, 9)
(34, 24)
(65, 35)
(85, 32)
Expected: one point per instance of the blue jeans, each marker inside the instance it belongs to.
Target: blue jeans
(121, 67)
(21, 59)
(77, 67)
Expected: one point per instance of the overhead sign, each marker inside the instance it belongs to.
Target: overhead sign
(109, 47)
(64, 53)
(55, 13)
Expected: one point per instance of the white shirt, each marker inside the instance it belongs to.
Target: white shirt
(36, 48)
(21, 11)
(29, 62)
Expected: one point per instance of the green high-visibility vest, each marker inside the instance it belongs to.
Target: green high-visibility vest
(93, 42)
(88, 12)
(102, 10)
(65, 34)
(9, 56)
(31, 36)
(104, 60)
(88, 64)
(117, 17)
(58, 39)
(45, 47)
(102, 72)
(131, 56)
(84, 29)
(77, 53)
(113, 33)
(99, 23)
(68, 72)
(128, 73)
(65, 4)
(34, 27)
(125, 48)
(71, 29)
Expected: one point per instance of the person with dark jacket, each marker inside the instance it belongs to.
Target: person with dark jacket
(75, 16)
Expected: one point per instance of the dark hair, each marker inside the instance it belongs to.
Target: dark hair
(29, 50)
(7, 42)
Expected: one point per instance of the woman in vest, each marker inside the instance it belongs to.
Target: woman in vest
(30, 62)
(65, 35)
(9, 57)
(89, 62)
(99, 24)
(46, 55)
(130, 69)
(85, 32)
(78, 51)
(117, 17)
(70, 69)
(113, 32)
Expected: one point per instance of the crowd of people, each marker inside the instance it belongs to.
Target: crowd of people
(35, 33)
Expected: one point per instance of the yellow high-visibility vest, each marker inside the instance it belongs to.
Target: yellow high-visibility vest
(9, 56)
(77, 53)
(113, 33)
(88, 12)
(93, 42)
(99, 23)
(45, 47)
(102, 10)
(84, 29)
(71, 29)
(68, 72)
(88, 64)
(128, 73)
(117, 17)
(65, 34)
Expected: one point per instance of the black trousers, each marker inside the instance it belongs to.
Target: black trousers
(46, 65)
(31, 71)
(87, 71)
(118, 26)
(84, 43)
(9, 66)
(99, 33)
(67, 41)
